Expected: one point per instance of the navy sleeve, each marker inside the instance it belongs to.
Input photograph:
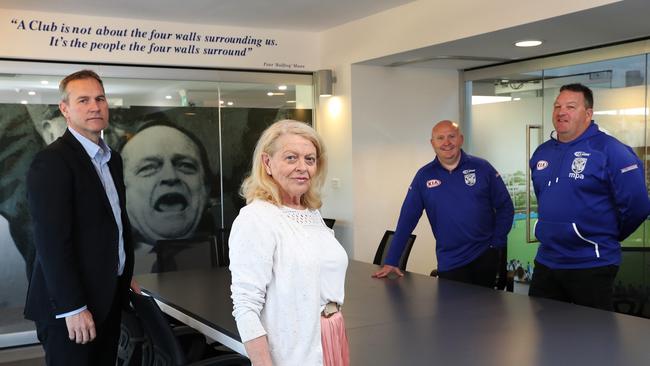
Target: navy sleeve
(49, 192)
(504, 210)
(627, 179)
(408, 218)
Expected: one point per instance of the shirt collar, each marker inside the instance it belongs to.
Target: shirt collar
(100, 151)
(463, 158)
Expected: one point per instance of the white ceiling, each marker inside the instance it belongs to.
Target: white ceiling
(303, 15)
(618, 22)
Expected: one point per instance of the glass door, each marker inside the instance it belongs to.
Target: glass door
(506, 127)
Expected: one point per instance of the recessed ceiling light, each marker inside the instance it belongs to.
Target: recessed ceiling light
(282, 87)
(221, 102)
(270, 94)
(44, 82)
(32, 93)
(23, 102)
(528, 43)
(168, 97)
(230, 103)
(290, 101)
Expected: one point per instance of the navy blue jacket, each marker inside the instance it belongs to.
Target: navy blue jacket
(469, 210)
(591, 194)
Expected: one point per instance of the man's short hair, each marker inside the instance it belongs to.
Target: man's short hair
(79, 75)
(579, 88)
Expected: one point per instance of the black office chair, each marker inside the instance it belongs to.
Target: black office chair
(505, 279)
(329, 222)
(223, 259)
(384, 246)
(132, 348)
(166, 350)
(186, 254)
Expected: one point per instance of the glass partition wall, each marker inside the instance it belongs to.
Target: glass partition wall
(186, 137)
(511, 114)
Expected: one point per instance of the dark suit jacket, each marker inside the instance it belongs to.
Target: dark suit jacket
(75, 233)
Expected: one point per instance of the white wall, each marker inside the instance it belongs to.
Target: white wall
(393, 112)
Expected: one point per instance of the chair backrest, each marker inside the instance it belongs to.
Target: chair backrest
(185, 254)
(132, 348)
(223, 259)
(384, 246)
(166, 349)
(329, 222)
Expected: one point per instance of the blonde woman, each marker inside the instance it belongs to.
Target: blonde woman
(288, 269)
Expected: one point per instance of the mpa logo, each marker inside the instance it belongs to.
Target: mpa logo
(577, 167)
(433, 183)
(542, 164)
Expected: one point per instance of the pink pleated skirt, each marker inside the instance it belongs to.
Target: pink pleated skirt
(336, 351)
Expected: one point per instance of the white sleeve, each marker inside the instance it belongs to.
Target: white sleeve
(252, 245)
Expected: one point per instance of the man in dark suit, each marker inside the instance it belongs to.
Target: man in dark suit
(84, 254)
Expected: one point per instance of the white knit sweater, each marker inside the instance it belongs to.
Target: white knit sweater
(286, 265)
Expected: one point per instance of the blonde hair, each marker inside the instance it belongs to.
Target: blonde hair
(260, 185)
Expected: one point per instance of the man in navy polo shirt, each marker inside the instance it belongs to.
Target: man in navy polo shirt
(468, 207)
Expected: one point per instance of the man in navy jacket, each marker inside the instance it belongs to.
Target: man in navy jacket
(468, 207)
(84, 255)
(591, 195)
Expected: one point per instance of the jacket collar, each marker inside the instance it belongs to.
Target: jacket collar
(592, 130)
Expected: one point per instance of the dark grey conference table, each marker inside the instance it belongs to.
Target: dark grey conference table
(420, 320)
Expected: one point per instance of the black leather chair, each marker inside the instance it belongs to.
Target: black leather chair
(384, 246)
(329, 222)
(166, 349)
(186, 254)
(133, 349)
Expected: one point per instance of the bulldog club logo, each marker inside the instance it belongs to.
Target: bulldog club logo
(470, 177)
(577, 167)
(542, 164)
(433, 183)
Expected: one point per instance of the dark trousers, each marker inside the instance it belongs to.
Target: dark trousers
(591, 287)
(60, 350)
(481, 271)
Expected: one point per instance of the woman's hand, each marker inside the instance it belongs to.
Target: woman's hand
(258, 351)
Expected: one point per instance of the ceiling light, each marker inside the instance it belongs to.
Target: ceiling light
(221, 102)
(168, 97)
(282, 87)
(32, 93)
(23, 102)
(230, 103)
(488, 99)
(44, 82)
(528, 43)
(291, 101)
(270, 94)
